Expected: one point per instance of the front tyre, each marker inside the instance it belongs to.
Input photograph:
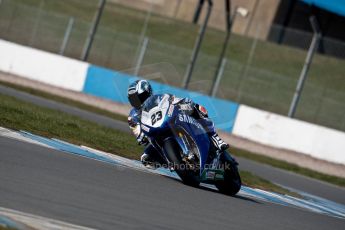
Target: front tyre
(232, 181)
(174, 152)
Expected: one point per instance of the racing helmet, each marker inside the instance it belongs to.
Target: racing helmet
(138, 92)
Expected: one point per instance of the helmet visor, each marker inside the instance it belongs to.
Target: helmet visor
(134, 100)
(137, 100)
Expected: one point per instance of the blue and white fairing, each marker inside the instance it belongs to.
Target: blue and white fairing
(161, 119)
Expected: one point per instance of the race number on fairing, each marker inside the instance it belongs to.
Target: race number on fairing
(156, 117)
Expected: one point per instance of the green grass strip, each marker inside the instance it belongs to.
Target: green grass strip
(6, 228)
(19, 115)
(290, 167)
(66, 101)
(250, 179)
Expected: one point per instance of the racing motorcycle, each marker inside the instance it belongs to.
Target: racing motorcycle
(186, 147)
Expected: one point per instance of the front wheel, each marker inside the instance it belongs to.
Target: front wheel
(188, 175)
(232, 181)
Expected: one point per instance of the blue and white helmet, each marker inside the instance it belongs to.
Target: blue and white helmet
(138, 92)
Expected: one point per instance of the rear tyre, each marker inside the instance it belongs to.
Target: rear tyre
(174, 152)
(232, 181)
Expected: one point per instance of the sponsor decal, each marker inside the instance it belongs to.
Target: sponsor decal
(188, 119)
(145, 128)
(185, 107)
(144, 115)
(219, 176)
(203, 110)
(210, 175)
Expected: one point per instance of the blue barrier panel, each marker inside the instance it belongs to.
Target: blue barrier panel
(107, 84)
(113, 85)
(335, 6)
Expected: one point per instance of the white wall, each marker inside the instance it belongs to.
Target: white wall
(253, 124)
(42, 66)
(283, 132)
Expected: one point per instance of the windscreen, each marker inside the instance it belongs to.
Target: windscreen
(152, 102)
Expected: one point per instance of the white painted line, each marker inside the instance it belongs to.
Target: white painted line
(17, 136)
(124, 162)
(39, 222)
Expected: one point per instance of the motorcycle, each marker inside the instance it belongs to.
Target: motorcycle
(186, 147)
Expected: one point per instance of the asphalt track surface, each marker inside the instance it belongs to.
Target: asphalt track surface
(90, 193)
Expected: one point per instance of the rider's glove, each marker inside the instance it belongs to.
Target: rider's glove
(132, 124)
(142, 139)
(201, 110)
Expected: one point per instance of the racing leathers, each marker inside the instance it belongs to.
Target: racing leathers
(151, 155)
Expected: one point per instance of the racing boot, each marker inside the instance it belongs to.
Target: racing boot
(148, 162)
(151, 158)
(218, 142)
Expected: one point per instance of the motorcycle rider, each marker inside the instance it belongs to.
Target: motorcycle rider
(137, 93)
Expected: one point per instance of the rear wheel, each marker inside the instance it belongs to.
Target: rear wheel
(232, 181)
(188, 174)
